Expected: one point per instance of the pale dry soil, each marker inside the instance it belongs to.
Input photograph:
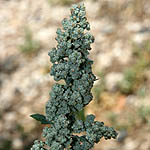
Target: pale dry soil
(25, 82)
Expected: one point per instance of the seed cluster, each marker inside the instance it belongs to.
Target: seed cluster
(71, 64)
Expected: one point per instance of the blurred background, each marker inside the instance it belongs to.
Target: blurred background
(121, 55)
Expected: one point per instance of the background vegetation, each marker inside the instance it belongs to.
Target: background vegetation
(121, 55)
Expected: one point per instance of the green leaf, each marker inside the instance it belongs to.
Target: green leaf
(80, 115)
(41, 118)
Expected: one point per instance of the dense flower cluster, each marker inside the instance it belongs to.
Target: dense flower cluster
(71, 64)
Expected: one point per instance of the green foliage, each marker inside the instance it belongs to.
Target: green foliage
(128, 120)
(142, 91)
(144, 114)
(29, 46)
(134, 76)
(72, 65)
(127, 85)
(5, 144)
(61, 2)
(80, 115)
(40, 118)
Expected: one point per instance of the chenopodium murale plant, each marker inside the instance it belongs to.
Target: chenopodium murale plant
(71, 64)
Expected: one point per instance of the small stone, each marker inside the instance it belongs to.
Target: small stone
(104, 60)
(17, 143)
(24, 110)
(131, 99)
(112, 79)
(133, 26)
(45, 34)
(11, 116)
(139, 38)
(120, 51)
(130, 144)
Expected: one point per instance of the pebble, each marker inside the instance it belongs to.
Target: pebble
(17, 144)
(130, 144)
(104, 60)
(133, 26)
(10, 116)
(112, 79)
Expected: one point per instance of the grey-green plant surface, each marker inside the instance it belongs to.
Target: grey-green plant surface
(71, 64)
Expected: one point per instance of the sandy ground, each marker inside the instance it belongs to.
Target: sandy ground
(24, 79)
